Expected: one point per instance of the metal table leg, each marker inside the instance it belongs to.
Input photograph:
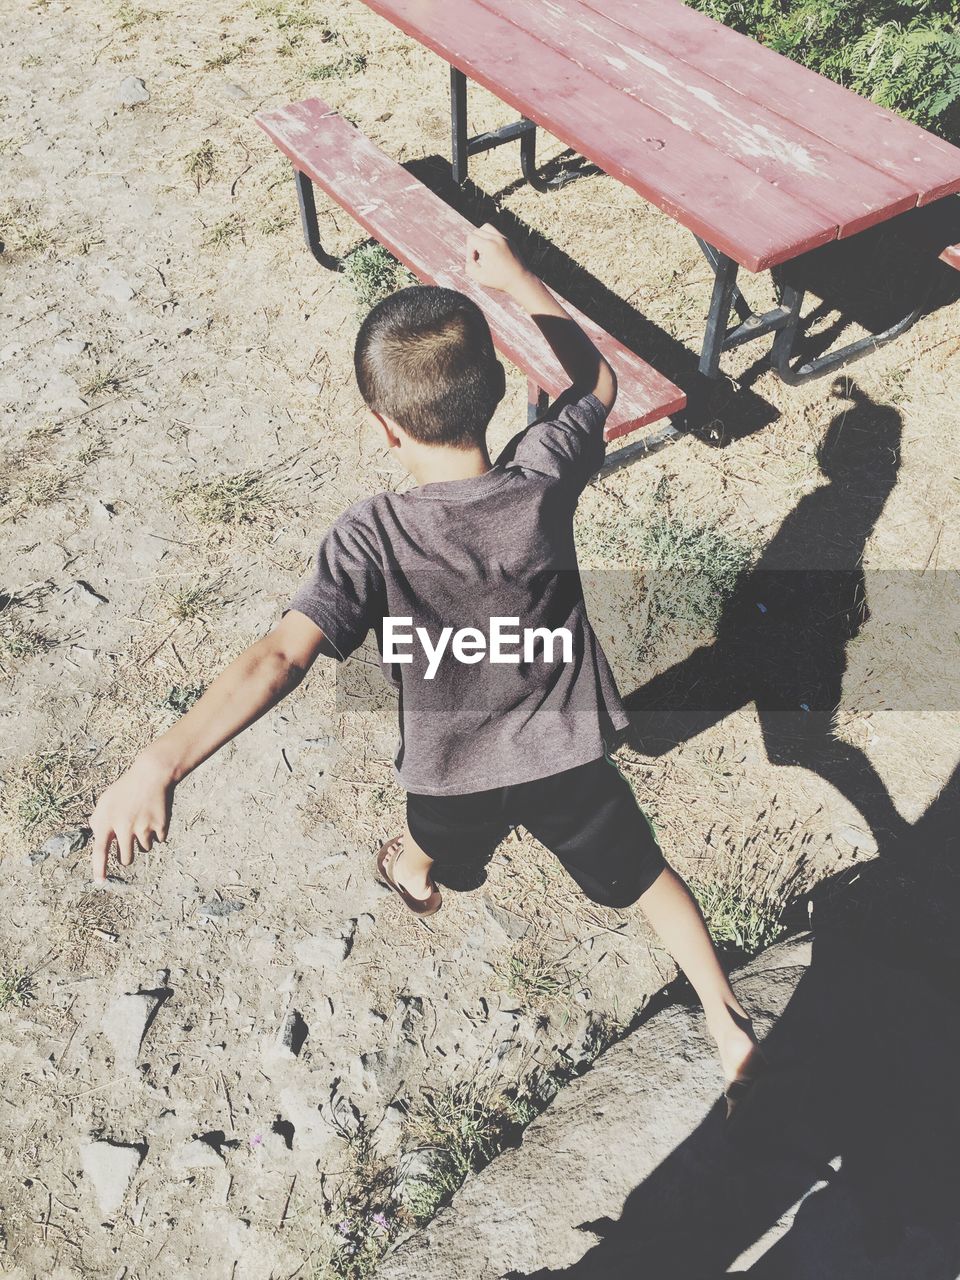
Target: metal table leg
(462, 146)
(784, 321)
(717, 337)
(782, 355)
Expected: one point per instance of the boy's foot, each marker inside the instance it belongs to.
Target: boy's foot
(423, 900)
(741, 1057)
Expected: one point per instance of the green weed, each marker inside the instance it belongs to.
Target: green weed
(350, 64)
(374, 274)
(17, 988)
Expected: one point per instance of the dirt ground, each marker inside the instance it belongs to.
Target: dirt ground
(163, 329)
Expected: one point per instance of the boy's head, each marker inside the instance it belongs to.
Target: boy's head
(424, 360)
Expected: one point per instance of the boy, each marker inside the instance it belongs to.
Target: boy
(495, 732)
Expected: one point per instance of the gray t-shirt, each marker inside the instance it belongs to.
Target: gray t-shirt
(458, 554)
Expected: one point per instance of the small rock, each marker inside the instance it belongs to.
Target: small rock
(101, 512)
(117, 288)
(197, 1155)
(236, 91)
(70, 347)
(132, 92)
(110, 1166)
(859, 839)
(363, 924)
(513, 926)
(218, 908)
(60, 845)
(82, 592)
(365, 1072)
(124, 1023)
(322, 949)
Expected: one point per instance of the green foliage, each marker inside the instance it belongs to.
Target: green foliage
(904, 54)
(374, 275)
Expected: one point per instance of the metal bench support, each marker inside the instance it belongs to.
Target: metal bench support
(308, 221)
(462, 146)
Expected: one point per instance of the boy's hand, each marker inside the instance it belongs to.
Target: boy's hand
(134, 811)
(493, 262)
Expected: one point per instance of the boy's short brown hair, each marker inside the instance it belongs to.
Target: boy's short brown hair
(424, 357)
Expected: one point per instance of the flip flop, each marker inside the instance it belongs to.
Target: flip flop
(386, 860)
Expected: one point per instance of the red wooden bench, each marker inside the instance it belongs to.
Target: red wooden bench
(428, 236)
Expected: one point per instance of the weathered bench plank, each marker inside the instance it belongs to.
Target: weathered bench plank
(428, 236)
(840, 187)
(881, 138)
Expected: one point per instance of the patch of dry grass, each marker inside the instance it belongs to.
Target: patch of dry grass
(224, 231)
(129, 16)
(193, 601)
(536, 979)
(44, 791)
(751, 881)
(229, 54)
(22, 228)
(34, 480)
(201, 163)
(244, 498)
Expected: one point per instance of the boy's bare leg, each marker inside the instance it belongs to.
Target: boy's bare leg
(677, 920)
(412, 868)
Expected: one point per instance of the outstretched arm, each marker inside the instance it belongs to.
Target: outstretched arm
(493, 262)
(136, 809)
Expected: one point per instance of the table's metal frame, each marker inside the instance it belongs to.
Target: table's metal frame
(782, 320)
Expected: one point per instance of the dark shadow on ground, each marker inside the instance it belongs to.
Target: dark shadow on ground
(858, 1121)
(781, 640)
(864, 1080)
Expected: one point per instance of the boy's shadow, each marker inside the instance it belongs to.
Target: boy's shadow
(782, 636)
(858, 1119)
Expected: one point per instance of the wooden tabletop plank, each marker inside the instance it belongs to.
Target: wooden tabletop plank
(878, 137)
(837, 185)
(754, 222)
(429, 237)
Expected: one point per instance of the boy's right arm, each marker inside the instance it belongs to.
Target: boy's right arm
(135, 810)
(493, 263)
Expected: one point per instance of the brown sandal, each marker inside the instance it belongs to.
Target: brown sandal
(386, 860)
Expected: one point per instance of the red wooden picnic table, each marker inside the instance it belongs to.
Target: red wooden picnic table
(762, 159)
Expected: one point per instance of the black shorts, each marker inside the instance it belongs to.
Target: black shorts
(587, 816)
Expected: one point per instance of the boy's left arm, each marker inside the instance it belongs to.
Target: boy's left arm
(135, 810)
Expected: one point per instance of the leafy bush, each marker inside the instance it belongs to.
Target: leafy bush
(904, 54)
